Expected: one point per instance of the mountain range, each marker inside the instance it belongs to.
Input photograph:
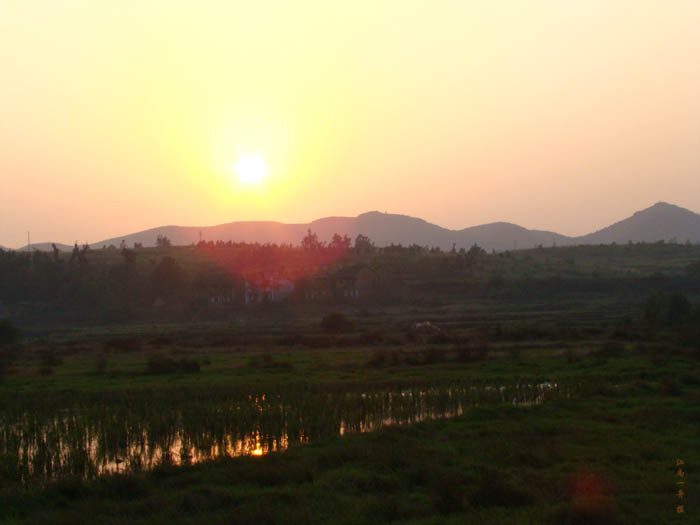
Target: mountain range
(662, 221)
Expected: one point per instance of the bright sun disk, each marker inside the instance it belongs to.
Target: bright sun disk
(250, 168)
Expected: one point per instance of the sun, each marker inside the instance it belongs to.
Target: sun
(250, 169)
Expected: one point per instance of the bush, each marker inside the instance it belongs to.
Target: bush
(335, 323)
(9, 333)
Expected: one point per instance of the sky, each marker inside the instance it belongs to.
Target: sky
(563, 115)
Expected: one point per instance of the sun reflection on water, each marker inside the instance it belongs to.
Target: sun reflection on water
(51, 450)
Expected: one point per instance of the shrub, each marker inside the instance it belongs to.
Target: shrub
(335, 323)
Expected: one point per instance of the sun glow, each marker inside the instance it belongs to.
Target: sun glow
(250, 169)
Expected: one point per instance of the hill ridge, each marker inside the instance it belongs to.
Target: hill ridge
(661, 221)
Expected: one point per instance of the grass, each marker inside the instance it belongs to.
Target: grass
(261, 361)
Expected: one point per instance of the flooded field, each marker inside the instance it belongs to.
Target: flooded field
(86, 436)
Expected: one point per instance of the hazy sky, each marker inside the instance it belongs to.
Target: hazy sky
(563, 115)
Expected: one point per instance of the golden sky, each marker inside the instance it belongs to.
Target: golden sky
(563, 115)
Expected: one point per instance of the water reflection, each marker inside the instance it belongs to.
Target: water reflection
(140, 431)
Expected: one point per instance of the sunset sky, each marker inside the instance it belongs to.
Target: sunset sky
(564, 115)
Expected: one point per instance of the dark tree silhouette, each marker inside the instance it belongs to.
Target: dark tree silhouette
(163, 242)
(311, 242)
(340, 243)
(363, 244)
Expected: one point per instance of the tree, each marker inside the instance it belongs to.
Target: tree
(363, 244)
(129, 256)
(311, 242)
(55, 252)
(476, 251)
(75, 253)
(340, 243)
(163, 242)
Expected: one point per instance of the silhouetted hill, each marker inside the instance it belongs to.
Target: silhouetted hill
(46, 247)
(661, 221)
(382, 228)
(506, 236)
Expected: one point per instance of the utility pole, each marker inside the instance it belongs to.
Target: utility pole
(29, 243)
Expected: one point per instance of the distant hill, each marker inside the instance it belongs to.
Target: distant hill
(660, 222)
(382, 228)
(46, 247)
